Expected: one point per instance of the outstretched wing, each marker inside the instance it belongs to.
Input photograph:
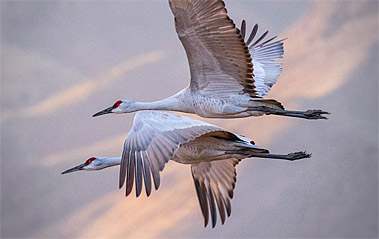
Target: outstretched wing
(152, 142)
(214, 182)
(264, 54)
(219, 60)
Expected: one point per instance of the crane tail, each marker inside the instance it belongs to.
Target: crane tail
(273, 103)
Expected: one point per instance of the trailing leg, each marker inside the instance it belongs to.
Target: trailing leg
(290, 156)
(309, 114)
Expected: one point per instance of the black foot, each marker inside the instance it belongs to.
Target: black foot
(298, 155)
(315, 114)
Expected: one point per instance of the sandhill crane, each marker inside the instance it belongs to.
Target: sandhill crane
(228, 77)
(157, 137)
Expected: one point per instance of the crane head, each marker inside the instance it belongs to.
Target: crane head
(120, 106)
(93, 163)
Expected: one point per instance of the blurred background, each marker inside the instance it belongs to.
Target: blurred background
(63, 61)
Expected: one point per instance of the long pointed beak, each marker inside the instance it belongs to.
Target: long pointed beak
(74, 169)
(103, 112)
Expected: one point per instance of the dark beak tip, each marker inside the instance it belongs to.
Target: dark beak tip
(74, 169)
(97, 114)
(103, 112)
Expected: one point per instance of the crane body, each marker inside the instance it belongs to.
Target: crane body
(229, 74)
(158, 137)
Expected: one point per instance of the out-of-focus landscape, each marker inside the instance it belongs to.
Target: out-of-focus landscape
(63, 61)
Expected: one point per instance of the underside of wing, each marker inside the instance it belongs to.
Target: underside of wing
(152, 142)
(219, 59)
(264, 54)
(215, 182)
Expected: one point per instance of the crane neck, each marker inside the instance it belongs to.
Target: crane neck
(173, 103)
(110, 161)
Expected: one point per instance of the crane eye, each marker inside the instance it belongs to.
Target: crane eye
(89, 160)
(117, 104)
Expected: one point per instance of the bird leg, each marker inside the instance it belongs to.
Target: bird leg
(309, 114)
(290, 156)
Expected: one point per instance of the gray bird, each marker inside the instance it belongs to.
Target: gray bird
(229, 76)
(158, 137)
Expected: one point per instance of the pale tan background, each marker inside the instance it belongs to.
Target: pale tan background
(63, 61)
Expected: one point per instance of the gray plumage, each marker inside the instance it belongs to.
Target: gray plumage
(229, 76)
(157, 137)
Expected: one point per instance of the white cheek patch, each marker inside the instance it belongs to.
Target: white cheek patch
(117, 110)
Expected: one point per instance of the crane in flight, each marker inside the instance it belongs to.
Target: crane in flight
(157, 137)
(229, 76)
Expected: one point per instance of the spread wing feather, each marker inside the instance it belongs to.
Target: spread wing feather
(214, 182)
(151, 143)
(264, 55)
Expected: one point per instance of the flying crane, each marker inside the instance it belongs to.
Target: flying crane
(157, 137)
(229, 76)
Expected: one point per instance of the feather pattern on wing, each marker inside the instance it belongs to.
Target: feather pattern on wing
(152, 142)
(219, 59)
(214, 182)
(264, 55)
